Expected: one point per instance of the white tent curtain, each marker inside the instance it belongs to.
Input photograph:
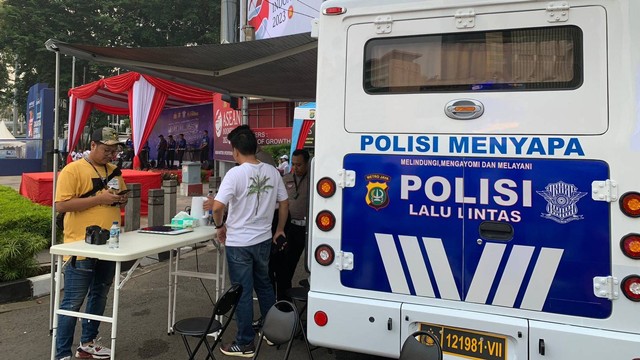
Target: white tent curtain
(143, 93)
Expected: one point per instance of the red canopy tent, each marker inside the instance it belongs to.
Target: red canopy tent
(142, 97)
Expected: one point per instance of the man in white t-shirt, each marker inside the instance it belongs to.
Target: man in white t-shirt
(251, 191)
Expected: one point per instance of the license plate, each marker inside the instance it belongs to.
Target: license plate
(470, 344)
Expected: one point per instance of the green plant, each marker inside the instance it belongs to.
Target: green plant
(204, 176)
(169, 176)
(277, 150)
(25, 230)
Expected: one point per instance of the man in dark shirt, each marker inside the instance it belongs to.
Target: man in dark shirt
(204, 148)
(182, 146)
(171, 151)
(144, 155)
(129, 148)
(162, 152)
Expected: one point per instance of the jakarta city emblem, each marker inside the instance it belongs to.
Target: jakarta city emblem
(377, 191)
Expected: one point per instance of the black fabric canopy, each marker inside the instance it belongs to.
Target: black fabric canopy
(279, 68)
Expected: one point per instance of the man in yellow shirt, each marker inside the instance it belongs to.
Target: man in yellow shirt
(88, 193)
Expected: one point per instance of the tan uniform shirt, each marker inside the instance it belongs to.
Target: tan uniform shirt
(298, 190)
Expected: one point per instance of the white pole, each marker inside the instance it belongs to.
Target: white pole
(55, 180)
(73, 72)
(243, 19)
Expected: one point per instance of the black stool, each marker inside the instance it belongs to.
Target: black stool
(300, 294)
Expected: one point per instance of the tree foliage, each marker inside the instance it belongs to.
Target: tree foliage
(25, 25)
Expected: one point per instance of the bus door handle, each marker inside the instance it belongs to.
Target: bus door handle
(496, 230)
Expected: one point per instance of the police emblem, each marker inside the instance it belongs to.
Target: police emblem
(561, 202)
(377, 191)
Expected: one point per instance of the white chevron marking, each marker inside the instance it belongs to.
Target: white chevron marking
(485, 273)
(541, 279)
(417, 267)
(513, 275)
(392, 265)
(441, 268)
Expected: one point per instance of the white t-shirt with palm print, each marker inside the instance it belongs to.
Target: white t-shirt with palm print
(251, 192)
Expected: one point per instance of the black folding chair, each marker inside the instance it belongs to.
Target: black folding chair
(421, 345)
(201, 326)
(280, 326)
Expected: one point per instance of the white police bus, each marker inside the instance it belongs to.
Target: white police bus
(476, 176)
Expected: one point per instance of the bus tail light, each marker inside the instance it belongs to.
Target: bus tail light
(325, 220)
(631, 287)
(334, 10)
(320, 318)
(630, 245)
(630, 204)
(324, 255)
(326, 187)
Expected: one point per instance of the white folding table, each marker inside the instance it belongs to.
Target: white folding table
(134, 246)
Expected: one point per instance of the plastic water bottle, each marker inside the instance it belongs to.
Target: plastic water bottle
(114, 236)
(210, 214)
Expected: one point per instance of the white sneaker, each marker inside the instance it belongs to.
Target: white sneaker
(93, 350)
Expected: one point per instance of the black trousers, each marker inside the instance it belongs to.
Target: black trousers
(180, 156)
(162, 159)
(144, 159)
(171, 154)
(283, 264)
(204, 154)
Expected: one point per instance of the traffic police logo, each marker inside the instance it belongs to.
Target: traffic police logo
(561, 202)
(377, 191)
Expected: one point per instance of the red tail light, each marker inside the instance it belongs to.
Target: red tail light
(631, 287)
(630, 204)
(325, 220)
(630, 245)
(320, 318)
(335, 10)
(326, 187)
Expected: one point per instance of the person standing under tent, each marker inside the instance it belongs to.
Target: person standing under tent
(182, 147)
(251, 191)
(87, 193)
(144, 155)
(128, 146)
(204, 148)
(171, 151)
(162, 152)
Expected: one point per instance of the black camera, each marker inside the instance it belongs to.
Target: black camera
(96, 235)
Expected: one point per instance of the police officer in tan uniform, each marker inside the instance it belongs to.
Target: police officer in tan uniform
(297, 184)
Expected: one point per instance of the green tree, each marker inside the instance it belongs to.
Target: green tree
(25, 25)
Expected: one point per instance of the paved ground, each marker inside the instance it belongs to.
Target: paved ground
(142, 330)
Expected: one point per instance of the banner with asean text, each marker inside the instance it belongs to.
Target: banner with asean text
(225, 119)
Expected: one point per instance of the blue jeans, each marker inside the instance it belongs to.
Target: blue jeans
(87, 276)
(249, 267)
